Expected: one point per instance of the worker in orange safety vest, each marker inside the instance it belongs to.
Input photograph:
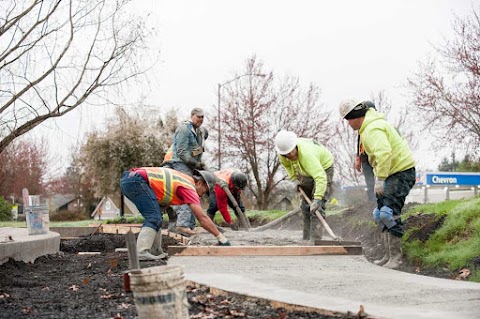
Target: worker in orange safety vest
(152, 189)
(236, 181)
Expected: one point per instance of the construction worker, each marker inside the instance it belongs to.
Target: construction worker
(363, 166)
(310, 165)
(152, 189)
(172, 215)
(394, 169)
(187, 149)
(234, 181)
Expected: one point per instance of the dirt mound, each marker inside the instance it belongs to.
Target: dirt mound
(423, 226)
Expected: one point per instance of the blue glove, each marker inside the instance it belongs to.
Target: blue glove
(227, 243)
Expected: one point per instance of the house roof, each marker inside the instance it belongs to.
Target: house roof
(59, 200)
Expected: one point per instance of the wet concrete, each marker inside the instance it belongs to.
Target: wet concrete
(338, 283)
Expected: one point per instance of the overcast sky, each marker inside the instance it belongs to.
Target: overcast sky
(347, 48)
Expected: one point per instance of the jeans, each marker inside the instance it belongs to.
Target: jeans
(185, 217)
(137, 189)
(397, 187)
(213, 207)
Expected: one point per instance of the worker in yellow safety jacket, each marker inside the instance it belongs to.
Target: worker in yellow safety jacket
(394, 168)
(310, 165)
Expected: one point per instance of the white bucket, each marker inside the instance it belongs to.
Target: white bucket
(37, 220)
(160, 292)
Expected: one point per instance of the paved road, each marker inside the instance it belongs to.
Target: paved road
(338, 283)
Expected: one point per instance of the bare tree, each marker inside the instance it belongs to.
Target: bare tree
(446, 91)
(256, 109)
(57, 55)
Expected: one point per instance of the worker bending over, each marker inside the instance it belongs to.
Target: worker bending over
(227, 180)
(310, 165)
(152, 189)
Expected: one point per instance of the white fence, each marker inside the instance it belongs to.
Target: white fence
(427, 194)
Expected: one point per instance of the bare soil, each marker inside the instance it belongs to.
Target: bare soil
(70, 285)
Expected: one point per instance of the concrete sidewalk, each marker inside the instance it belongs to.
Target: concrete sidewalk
(337, 283)
(17, 244)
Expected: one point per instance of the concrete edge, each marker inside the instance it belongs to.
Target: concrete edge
(27, 248)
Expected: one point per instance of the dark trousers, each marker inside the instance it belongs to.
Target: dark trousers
(397, 187)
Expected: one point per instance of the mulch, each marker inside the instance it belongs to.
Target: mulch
(70, 285)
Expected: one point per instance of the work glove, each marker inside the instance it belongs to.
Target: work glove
(316, 205)
(227, 243)
(379, 186)
(298, 185)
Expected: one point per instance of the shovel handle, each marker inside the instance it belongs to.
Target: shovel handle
(317, 213)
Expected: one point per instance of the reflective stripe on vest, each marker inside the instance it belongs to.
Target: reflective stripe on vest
(164, 183)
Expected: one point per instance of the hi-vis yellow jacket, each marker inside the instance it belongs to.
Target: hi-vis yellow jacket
(313, 160)
(387, 151)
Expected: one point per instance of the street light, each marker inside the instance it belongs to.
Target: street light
(219, 99)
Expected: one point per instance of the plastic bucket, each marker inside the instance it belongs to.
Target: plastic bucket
(37, 220)
(160, 292)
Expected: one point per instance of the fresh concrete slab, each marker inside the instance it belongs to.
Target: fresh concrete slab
(21, 246)
(263, 250)
(337, 283)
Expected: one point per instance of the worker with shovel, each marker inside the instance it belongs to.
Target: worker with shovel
(310, 165)
(394, 169)
(228, 180)
(152, 189)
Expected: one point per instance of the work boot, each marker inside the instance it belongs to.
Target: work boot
(395, 244)
(157, 245)
(185, 231)
(145, 240)
(386, 247)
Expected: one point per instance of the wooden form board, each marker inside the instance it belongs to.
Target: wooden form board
(182, 239)
(120, 228)
(263, 250)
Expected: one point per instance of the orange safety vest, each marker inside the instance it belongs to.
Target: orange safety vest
(168, 154)
(164, 182)
(225, 175)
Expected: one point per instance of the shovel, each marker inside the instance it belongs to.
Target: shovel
(243, 220)
(336, 240)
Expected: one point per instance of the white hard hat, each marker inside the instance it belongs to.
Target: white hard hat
(285, 142)
(347, 105)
